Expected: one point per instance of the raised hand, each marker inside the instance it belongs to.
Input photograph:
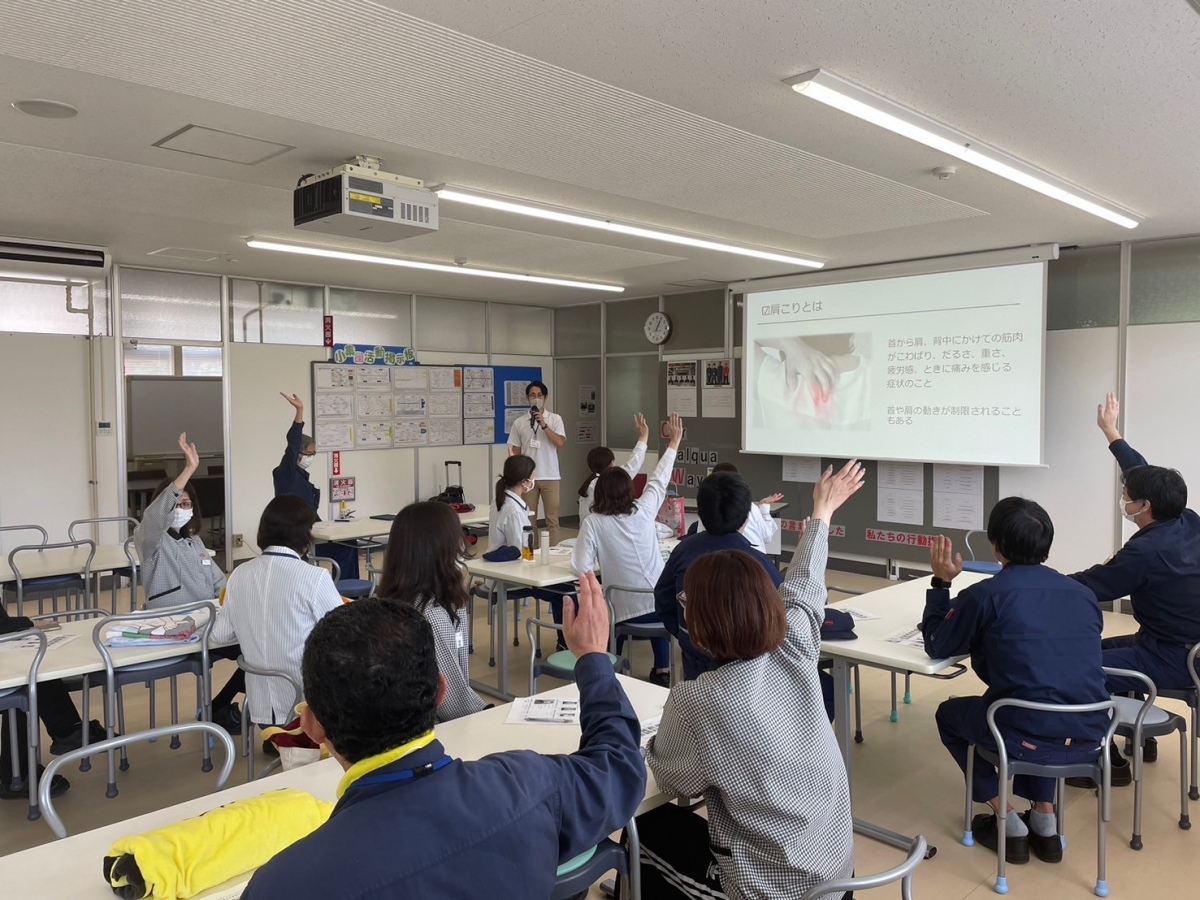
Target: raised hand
(190, 453)
(835, 489)
(675, 430)
(643, 430)
(586, 631)
(771, 498)
(1108, 414)
(296, 404)
(946, 564)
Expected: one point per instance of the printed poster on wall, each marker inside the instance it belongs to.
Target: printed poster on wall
(585, 433)
(587, 400)
(718, 394)
(681, 389)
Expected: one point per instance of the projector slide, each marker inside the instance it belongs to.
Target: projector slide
(945, 367)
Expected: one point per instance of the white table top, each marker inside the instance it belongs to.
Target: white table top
(80, 656)
(368, 527)
(71, 869)
(520, 572)
(65, 562)
(899, 608)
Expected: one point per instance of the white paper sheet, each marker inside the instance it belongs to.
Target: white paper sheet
(333, 378)
(478, 405)
(411, 404)
(445, 378)
(802, 468)
(543, 711)
(410, 378)
(31, 643)
(857, 614)
(372, 406)
(446, 431)
(334, 406)
(335, 436)
(904, 507)
(904, 475)
(477, 378)
(373, 378)
(958, 497)
(373, 434)
(910, 638)
(479, 431)
(514, 393)
(411, 433)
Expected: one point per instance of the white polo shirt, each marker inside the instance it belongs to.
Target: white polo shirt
(545, 455)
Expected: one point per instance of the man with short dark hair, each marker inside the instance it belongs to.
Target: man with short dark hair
(723, 502)
(539, 436)
(1032, 634)
(410, 820)
(1158, 569)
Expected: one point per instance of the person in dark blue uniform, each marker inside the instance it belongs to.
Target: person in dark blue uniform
(1158, 569)
(291, 477)
(1032, 634)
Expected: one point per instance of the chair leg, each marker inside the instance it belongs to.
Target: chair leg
(1102, 816)
(858, 735)
(492, 612)
(85, 764)
(1185, 820)
(516, 624)
(14, 748)
(121, 727)
(908, 687)
(895, 717)
(1060, 811)
(634, 881)
(470, 623)
(204, 688)
(174, 711)
(1194, 793)
(1002, 830)
(153, 706)
(1136, 841)
(968, 837)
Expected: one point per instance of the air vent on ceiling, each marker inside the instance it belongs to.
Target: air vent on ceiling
(184, 253)
(197, 140)
(51, 259)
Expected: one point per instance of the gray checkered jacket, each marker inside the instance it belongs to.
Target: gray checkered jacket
(752, 738)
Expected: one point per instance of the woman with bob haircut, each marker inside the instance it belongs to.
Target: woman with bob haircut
(271, 604)
(619, 539)
(423, 567)
(779, 817)
(601, 459)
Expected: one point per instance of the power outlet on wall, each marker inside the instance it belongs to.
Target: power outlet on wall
(238, 540)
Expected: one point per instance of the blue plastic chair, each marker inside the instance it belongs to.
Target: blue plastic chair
(577, 875)
(982, 567)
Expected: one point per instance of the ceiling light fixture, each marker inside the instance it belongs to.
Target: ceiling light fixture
(348, 256)
(848, 97)
(29, 276)
(570, 218)
(46, 109)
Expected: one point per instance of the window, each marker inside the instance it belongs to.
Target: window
(452, 325)
(522, 330)
(1164, 282)
(149, 359)
(266, 312)
(577, 330)
(170, 305)
(371, 317)
(41, 307)
(202, 362)
(1083, 288)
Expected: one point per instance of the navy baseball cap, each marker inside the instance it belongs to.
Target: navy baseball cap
(838, 625)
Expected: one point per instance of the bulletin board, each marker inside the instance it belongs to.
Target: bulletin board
(377, 407)
(917, 493)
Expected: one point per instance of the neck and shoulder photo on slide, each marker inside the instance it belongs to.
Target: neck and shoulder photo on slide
(944, 367)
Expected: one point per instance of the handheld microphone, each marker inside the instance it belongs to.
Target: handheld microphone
(533, 408)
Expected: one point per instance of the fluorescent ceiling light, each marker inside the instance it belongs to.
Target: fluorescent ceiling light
(29, 276)
(871, 107)
(307, 250)
(569, 218)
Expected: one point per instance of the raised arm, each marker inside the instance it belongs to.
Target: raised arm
(156, 520)
(1108, 415)
(633, 465)
(656, 484)
(602, 783)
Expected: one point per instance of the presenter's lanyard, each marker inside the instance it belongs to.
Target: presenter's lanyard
(403, 775)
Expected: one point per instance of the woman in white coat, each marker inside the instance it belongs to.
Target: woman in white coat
(601, 459)
(619, 538)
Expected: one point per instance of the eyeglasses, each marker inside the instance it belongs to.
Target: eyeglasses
(309, 453)
(184, 504)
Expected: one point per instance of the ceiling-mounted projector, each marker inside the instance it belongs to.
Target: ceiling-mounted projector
(357, 200)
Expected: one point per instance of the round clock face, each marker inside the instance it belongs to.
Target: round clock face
(658, 327)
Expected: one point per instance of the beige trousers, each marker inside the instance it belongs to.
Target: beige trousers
(547, 491)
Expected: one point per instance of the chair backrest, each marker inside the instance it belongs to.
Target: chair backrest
(334, 569)
(297, 690)
(88, 545)
(131, 522)
(1191, 664)
(38, 528)
(207, 730)
(967, 542)
(612, 612)
(39, 638)
(902, 873)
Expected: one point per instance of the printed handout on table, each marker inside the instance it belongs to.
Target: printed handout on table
(373, 378)
(802, 468)
(445, 378)
(479, 378)
(479, 431)
(445, 431)
(543, 711)
(373, 406)
(478, 406)
(31, 642)
(334, 406)
(910, 638)
(411, 433)
(857, 614)
(335, 435)
(373, 434)
(410, 404)
(333, 378)
(446, 404)
(411, 378)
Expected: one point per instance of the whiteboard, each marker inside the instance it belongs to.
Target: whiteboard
(160, 408)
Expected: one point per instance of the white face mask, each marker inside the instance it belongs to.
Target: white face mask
(1121, 504)
(538, 402)
(180, 518)
(306, 462)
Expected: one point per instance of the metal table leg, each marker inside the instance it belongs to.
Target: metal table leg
(500, 691)
(841, 729)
